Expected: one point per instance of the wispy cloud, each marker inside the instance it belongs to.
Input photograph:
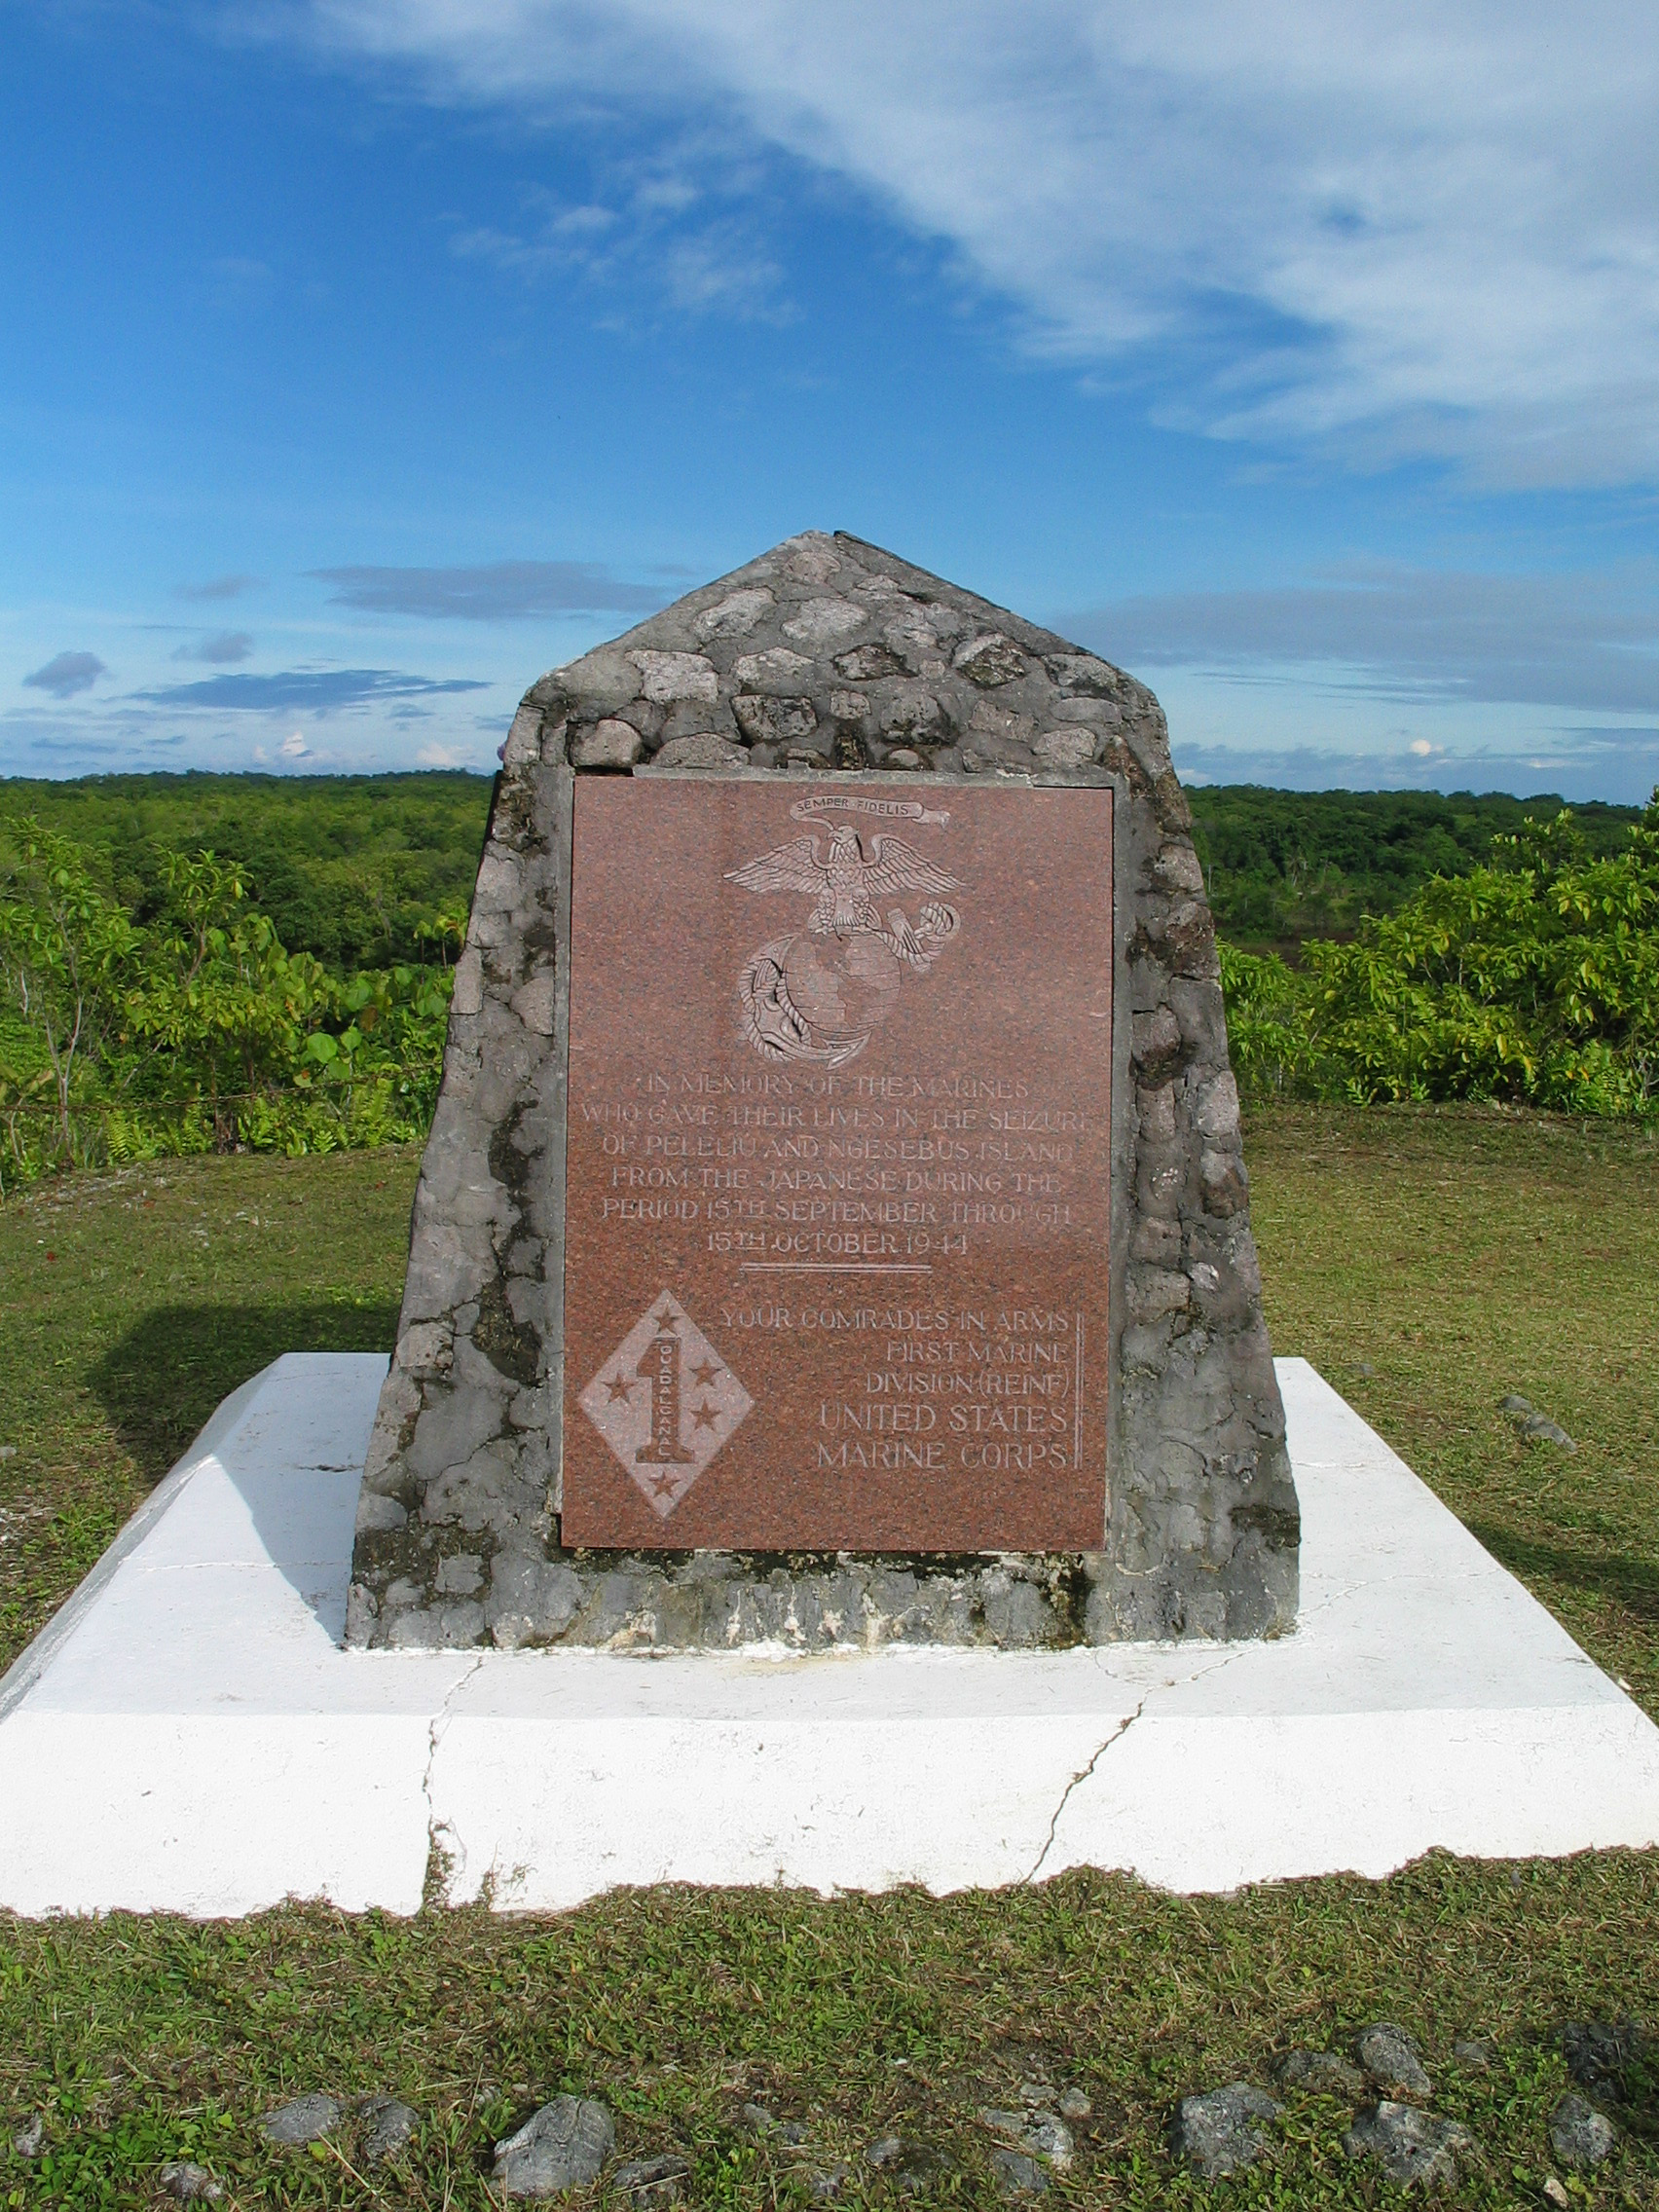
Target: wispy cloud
(659, 242)
(67, 674)
(222, 587)
(1392, 230)
(224, 646)
(1587, 643)
(316, 691)
(500, 591)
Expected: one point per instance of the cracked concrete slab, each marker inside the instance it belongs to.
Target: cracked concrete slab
(189, 1734)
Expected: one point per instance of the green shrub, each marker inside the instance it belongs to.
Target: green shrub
(1534, 979)
(198, 1031)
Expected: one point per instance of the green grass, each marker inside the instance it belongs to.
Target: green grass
(132, 1303)
(1458, 1254)
(1466, 1254)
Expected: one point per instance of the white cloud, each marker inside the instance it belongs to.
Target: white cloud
(692, 247)
(1424, 227)
(293, 747)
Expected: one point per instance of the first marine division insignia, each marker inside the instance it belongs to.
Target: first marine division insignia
(665, 1402)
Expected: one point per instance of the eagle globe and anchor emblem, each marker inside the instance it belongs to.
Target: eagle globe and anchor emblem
(819, 993)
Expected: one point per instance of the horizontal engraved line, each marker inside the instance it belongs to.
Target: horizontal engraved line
(835, 1267)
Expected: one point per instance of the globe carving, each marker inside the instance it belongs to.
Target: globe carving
(842, 987)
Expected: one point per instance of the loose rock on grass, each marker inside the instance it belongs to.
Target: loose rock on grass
(1039, 2135)
(1321, 2072)
(190, 2183)
(1018, 2175)
(1412, 2146)
(1216, 2133)
(29, 2137)
(1582, 2136)
(652, 2181)
(302, 2119)
(560, 2146)
(386, 2126)
(1533, 1427)
(910, 2167)
(1390, 2058)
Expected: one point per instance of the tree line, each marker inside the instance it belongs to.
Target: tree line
(151, 1001)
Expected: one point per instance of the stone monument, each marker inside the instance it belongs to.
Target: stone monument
(834, 1227)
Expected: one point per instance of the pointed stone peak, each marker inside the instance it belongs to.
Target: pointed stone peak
(829, 653)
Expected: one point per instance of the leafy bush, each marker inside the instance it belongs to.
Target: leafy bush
(199, 1031)
(1534, 977)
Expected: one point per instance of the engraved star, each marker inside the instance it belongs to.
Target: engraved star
(620, 1389)
(665, 1319)
(705, 1372)
(662, 1484)
(705, 1417)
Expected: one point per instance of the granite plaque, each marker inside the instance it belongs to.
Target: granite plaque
(838, 1165)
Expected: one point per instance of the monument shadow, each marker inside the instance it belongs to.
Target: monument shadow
(160, 1383)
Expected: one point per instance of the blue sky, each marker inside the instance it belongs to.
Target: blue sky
(360, 360)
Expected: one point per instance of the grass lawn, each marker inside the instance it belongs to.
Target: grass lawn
(1427, 1263)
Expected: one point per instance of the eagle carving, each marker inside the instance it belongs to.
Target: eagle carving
(845, 883)
(804, 1002)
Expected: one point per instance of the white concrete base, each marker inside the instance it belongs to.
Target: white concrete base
(188, 1735)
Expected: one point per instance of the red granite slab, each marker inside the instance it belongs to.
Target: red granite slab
(838, 1189)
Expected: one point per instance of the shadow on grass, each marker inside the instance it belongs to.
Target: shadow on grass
(163, 1378)
(1632, 1584)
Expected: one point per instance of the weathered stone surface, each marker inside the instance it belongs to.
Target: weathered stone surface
(1533, 1426)
(385, 2125)
(1041, 2134)
(705, 748)
(1390, 2058)
(188, 2183)
(1017, 2174)
(562, 2146)
(464, 1475)
(1581, 2135)
(1222, 2130)
(659, 2180)
(607, 745)
(1322, 2072)
(302, 2119)
(27, 2141)
(1411, 2145)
